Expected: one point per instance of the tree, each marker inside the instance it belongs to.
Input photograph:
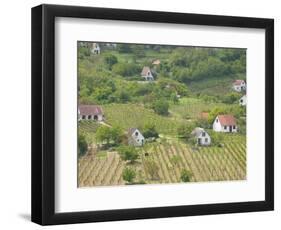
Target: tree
(149, 130)
(184, 131)
(230, 98)
(82, 145)
(151, 168)
(124, 48)
(185, 175)
(110, 60)
(217, 138)
(128, 153)
(109, 134)
(116, 134)
(129, 174)
(215, 112)
(103, 134)
(161, 107)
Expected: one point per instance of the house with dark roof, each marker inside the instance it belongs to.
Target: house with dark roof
(201, 136)
(239, 85)
(146, 74)
(135, 138)
(225, 123)
(90, 112)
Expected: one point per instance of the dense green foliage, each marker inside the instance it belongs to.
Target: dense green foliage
(129, 174)
(185, 175)
(128, 153)
(114, 75)
(82, 145)
(108, 134)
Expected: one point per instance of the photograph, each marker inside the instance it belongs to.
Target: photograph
(160, 114)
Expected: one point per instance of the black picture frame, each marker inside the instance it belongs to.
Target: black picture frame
(43, 114)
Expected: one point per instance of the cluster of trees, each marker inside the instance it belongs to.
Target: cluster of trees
(109, 135)
(82, 145)
(192, 64)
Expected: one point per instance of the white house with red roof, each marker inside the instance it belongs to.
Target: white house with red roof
(90, 112)
(135, 137)
(146, 74)
(225, 123)
(239, 85)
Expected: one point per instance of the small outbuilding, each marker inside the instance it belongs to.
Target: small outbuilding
(239, 85)
(243, 101)
(156, 62)
(95, 49)
(146, 74)
(135, 138)
(90, 112)
(201, 136)
(225, 123)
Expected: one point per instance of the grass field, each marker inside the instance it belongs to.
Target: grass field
(204, 163)
(133, 115)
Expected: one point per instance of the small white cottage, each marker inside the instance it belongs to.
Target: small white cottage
(135, 137)
(243, 101)
(95, 49)
(146, 74)
(90, 112)
(239, 85)
(225, 123)
(201, 136)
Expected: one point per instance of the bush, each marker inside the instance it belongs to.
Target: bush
(128, 153)
(129, 175)
(150, 131)
(161, 107)
(185, 175)
(110, 60)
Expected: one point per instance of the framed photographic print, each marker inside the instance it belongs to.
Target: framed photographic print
(141, 114)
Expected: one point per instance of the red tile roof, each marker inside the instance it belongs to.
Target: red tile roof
(227, 119)
(204, 115)
(238, 82)
(90, 110)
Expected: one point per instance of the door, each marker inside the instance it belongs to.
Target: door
(230, 128)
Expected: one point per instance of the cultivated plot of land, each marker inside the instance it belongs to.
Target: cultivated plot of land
(204, 163)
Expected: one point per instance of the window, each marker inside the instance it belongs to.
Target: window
(234, 127)
(83, 117)
(225, 127)
(206, 140)
(217, 120)
(136, 133)
(89, 117)
(203, 134)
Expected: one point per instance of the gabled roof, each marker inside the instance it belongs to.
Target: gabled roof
(145, 70)
(197, 131)
(131, 131)
(90, 110)
(238, 82)
(156, 62)
(227, 119)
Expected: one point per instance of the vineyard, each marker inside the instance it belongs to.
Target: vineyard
(171, 157)
(134, 115)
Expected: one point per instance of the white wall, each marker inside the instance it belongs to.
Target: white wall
(15, 98)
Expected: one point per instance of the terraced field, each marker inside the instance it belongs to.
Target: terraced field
(171, 157)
